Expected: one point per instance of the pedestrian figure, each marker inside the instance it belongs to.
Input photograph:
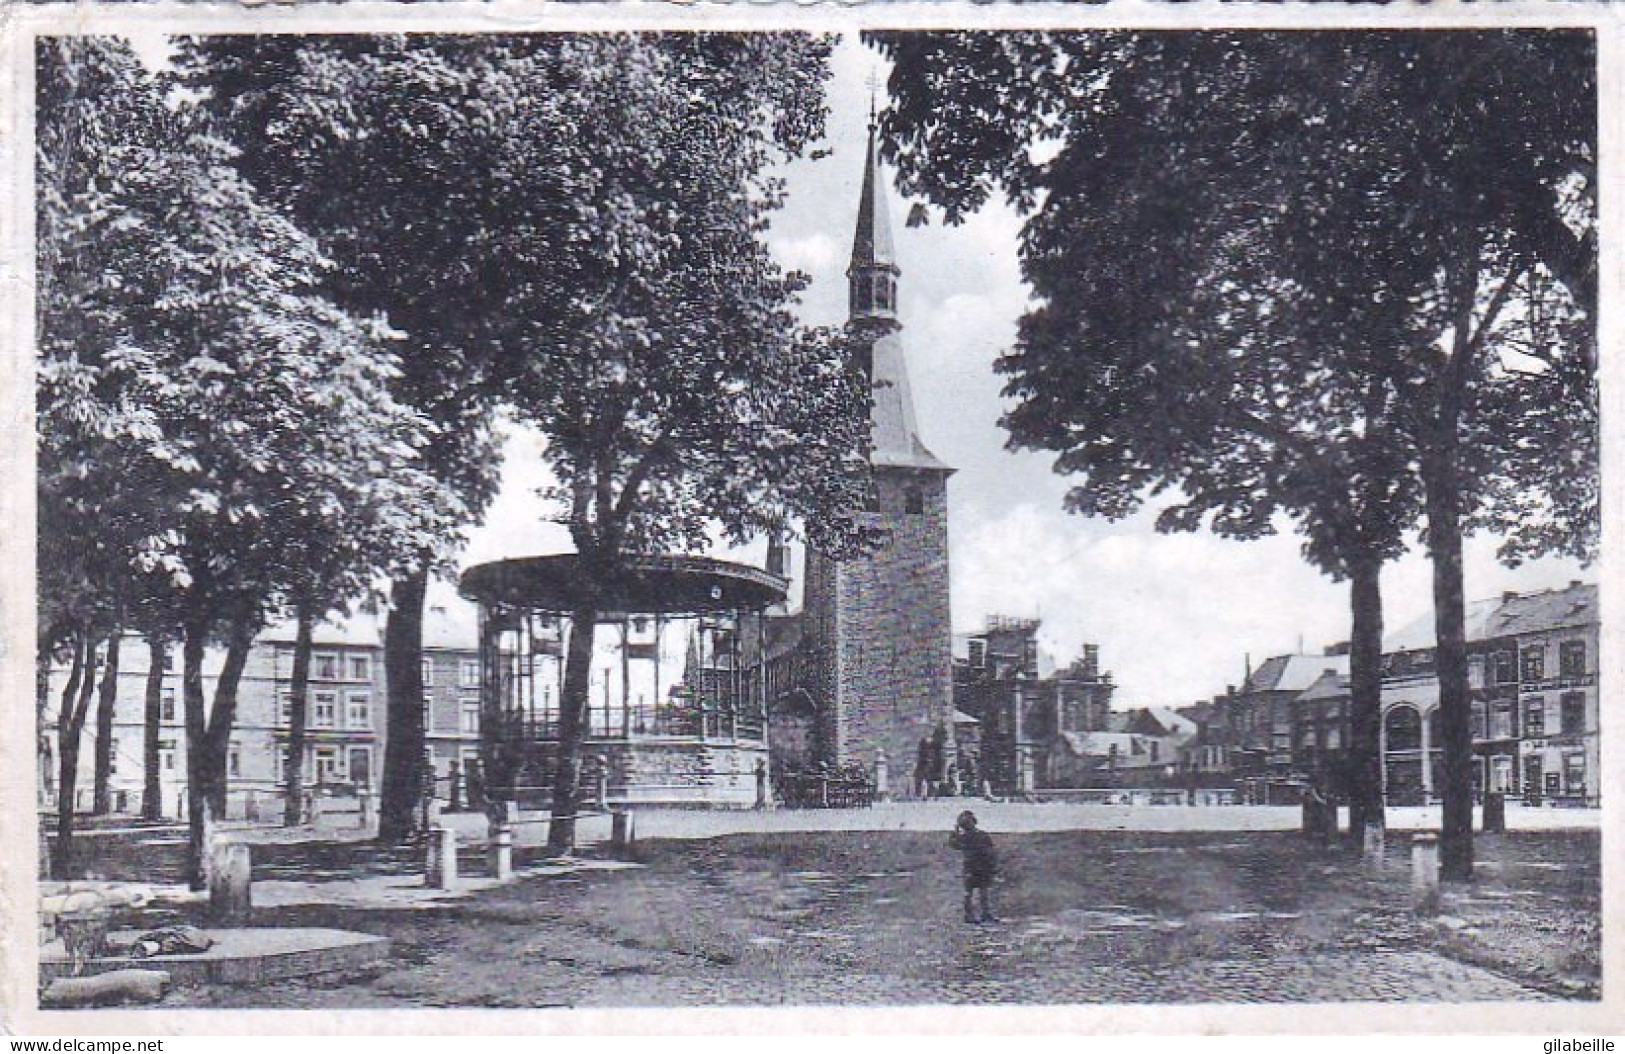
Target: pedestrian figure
(922, 767)
(981, 865)
(761, 783)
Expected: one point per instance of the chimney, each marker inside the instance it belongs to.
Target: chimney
(1574, 583)
(1509, 596)
(1091, 661)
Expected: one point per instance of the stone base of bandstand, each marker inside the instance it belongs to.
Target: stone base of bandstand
(669, 772)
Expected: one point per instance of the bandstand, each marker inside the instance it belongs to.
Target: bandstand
(677, 704)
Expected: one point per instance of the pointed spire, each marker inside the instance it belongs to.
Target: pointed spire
(872, 244)
(872, 299)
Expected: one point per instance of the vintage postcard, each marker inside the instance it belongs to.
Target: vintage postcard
(1070, 517)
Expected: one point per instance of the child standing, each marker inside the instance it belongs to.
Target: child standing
(981, 865)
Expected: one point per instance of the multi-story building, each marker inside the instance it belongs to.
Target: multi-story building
(345, 728)
(1025, 710)
(451, 688)
(1532, 675)
(1557, 635)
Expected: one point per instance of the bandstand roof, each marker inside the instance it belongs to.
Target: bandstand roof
(666, 585)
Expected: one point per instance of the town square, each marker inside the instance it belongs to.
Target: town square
(757, 519)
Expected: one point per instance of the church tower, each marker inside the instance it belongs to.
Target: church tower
(879, 624)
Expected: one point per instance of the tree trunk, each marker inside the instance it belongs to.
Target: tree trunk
(298, 711)
(70, 722)
(223, 714)
(573, 701)
(405, 745)
(197, 806)
(1365, 698)
(42, 742)
(152, 789)
(1443, 501)
(106, 705)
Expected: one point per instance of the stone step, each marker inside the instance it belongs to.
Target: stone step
(242, 956)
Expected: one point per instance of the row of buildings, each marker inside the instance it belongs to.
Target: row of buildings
(1533, 675)
(344, 742)
(1024, 723)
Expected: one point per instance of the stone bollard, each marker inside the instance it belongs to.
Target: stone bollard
(1425, 870)
(1495, 813)
(364, 817)
(231, 870)
(441, 872)
(501, 852)
(1329, 815)
(1372, 844)
(621, 834)
(882, 784)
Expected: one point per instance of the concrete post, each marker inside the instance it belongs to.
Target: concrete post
(364, 797)
(1372, 843)
(882, 787)
(230, 882)
(1024, 769)
(1425, 870)
(501, 852)
(621, 833)
(441, 872)
(1495, 813)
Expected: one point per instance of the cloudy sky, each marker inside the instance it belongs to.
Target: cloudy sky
(1175, 615)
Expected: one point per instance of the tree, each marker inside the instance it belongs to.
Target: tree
(1381, 220)
(193, 375)
(436, 172)
(462, 188)
(681, 394)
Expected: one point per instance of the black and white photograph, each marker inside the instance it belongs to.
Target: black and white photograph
(827, 514)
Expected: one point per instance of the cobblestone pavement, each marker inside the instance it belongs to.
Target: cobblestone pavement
(865, 918)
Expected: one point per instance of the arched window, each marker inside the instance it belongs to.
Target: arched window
(862, 295)
(1404, 728)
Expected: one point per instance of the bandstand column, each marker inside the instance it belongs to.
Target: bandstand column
(655, 695)
(761, 670)
(626, 677)
(1427, 760)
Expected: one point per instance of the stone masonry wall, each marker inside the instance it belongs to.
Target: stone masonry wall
(894, 675)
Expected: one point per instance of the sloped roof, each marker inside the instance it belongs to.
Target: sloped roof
(1294, 673)
(1417, 635)
(1519, 613)
(451, 623)
(896, 432)
(1177, 724)
(360, 629)
(1099, 745)
(1329, 685)
(1537, 612)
